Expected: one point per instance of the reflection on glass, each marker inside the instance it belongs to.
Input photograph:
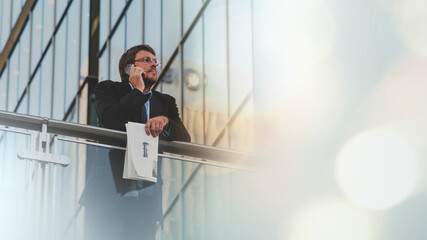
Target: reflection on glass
(134, 24)
(3, 90)
(5, 22)
(117, 47)
(13, 87)
(24, 59)
(48, 22)
(72, 59)
(46, 85)
(193, 97)
(152, 25)
(191, 8)
(171, 28)
(60, 72)
(35, 99)
(36, 38)
(216, 72)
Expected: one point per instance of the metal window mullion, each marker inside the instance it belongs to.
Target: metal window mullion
(109, 39)
(40, 63)
(18, 68)
(8, 60)
(66, 62)
(227, 49)
(50, 197)
(143, 21)
(7, 79)
(11, 18)
(1, 22)
(204, 82)
(253, 46)
(126, 31)
(30, 19)
(181, 49)
(79, 61)
(161, 40)
(183, 165)
(52, 97)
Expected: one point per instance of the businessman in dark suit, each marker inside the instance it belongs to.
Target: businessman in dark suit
(118, 208)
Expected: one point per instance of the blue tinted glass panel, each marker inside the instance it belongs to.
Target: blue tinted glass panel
(104, 66)
(84, 47)
(35, 90)
(152, 22)
(105, 21)
(116, 9)
(23, 107)
(36, 38)
(16, 9)
(5, 21)
(117, 49)
(48, 21)
(171, 33)
(134, 24)
(24, 62)
(191, 8)
(60, 7)
(46, 85)
(73, 69)
(60, 71)
(13, 66)
(3, 89)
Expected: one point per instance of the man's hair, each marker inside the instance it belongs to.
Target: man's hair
(129, 58)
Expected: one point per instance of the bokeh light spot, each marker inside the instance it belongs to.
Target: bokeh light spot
(376, 169)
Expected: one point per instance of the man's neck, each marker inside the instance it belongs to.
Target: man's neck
(146, 90)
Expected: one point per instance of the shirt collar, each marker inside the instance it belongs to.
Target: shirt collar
(149, 92)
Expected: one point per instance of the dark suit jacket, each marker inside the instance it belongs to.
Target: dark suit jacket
(116, 104)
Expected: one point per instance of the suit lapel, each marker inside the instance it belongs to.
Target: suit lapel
(156, 108)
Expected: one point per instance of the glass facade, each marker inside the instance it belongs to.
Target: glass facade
(49, 65)
(336, 90)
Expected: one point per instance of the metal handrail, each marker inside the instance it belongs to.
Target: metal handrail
(118, 138)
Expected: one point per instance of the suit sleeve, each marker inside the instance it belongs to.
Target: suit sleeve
(113, 110)
(176, 128)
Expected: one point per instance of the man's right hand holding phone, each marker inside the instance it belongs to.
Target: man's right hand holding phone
(135, 78)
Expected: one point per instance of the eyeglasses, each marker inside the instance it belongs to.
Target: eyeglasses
(148, 60)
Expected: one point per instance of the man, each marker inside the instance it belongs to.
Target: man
(132, 99)
(118, 208)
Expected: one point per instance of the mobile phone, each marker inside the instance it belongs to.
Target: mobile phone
(127, 70)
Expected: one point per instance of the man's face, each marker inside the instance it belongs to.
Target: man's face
(150, 68)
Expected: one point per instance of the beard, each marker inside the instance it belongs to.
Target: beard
(149, 82)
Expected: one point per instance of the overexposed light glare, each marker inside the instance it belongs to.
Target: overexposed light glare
(410, 22)
(330, 219)
(376, 169)
(405, 8)
(301, 37)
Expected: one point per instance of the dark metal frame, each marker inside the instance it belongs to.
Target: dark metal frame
(16, 33)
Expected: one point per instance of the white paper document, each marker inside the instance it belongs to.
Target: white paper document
(141, 154)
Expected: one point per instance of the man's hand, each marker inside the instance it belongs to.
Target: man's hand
(135, 78)
(155, 126)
